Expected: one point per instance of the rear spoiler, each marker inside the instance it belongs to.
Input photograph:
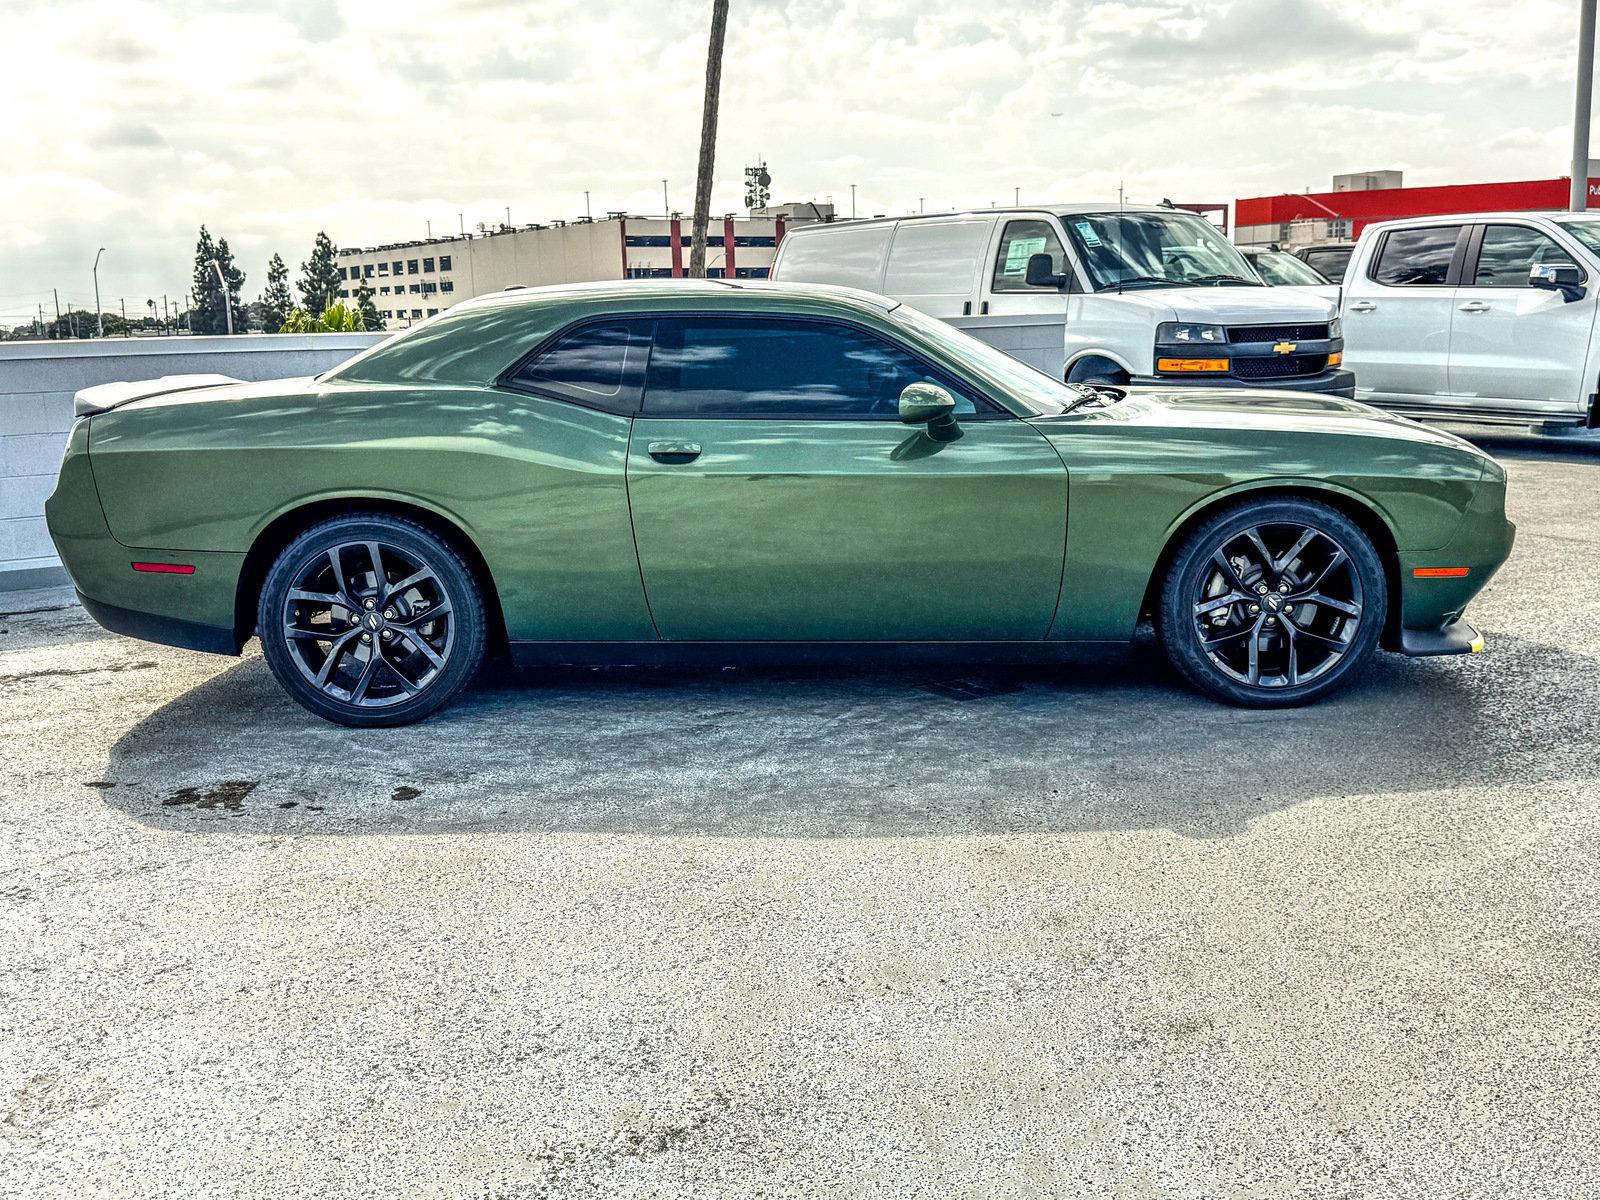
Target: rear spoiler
(105, 396)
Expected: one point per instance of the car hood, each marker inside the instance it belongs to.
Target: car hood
(1230, 305)
(1260, 410)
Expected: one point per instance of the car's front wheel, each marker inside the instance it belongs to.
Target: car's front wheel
(1273, 603)
(371, 620)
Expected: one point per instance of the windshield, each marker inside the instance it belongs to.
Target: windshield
(1285, 270)
(1036, 391)
(1156, 249)
(1587, 232)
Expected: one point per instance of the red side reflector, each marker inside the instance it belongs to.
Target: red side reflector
(165, 568)
(1441, 572)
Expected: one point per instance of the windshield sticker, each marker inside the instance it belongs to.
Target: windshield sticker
(1020, 251)
(1086, 231)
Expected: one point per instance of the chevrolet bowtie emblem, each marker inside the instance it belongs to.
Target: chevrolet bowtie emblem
(1284, 348)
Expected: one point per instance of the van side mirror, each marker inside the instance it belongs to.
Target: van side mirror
(1041, 272)
(929, 404)
(1558, 277)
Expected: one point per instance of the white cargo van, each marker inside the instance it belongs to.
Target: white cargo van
(1089, 292)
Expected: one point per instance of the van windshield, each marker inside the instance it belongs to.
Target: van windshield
(1037, 391)
(1156, 249)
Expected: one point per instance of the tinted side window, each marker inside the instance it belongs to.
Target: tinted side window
(601, 365)
(1021, 241)
(1330, 263)
(1416, 257)
(1509, 252)
(727, 367)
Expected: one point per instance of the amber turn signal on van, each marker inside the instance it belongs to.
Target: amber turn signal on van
(1210, 365)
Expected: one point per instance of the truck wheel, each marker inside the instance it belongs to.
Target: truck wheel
(1097, 370)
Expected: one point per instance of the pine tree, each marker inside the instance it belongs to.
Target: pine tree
(367, 309)
(276, 301)
(319, 278)
(210, 316)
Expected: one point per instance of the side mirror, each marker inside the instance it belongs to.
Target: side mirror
(1041, 272)
(929, 404)
(1558, 277)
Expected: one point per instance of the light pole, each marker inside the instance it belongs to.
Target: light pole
(226, 307)
(1016, 197)
(852, 202)
(586, 211)
(1579, 196)
(666, 205)
(99, 321)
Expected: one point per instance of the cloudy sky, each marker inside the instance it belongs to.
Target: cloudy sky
(128, 123)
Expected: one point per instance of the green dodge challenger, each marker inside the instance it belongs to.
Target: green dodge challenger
(634, 471)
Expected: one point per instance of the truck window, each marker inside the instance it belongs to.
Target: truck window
(1509, 252)
(1021, 241)
(1416, 257)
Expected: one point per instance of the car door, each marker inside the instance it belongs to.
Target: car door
(1026, 320)
(776, 496)
(1513, 346)
(1397, 312)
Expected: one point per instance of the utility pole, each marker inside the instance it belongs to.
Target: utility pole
(227, 306)
(462, 222)
(99, 321)
(1579, 198)
(852, 202)
(587, 214)
(508, 216)
(127, 330)
(429, 224)
(1016, 197)
(666, 205)
(708, 140)
(56, 329)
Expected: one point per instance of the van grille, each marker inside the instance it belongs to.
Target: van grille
(1277, 333)
(1288, 366)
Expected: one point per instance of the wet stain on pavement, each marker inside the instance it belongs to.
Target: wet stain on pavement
(405, 792)
(67, 672)
(229, 795)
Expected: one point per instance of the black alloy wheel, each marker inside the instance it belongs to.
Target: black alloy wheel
(1273, 603)
(371, 620)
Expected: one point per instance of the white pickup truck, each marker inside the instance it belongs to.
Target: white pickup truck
(1089, 293)
(1485, 318)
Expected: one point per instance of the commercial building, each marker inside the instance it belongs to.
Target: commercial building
(1356, 201)
(411, 281)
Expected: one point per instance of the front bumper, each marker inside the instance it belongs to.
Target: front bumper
(1336, 382)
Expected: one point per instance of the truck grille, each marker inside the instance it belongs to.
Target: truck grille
(1285, 366)
(1277, 333)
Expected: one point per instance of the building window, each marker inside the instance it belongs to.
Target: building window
(754, 239)
(649, 272)
(343, 294)
(447, 286)
(649, 239)
(752, 272)
(444, 262)
(433, 312)
(383, 268)
(416, 313)
(416, 289)
(411, 266)
(427, 265)
(344, 272)
(428, 287)
(397, 265)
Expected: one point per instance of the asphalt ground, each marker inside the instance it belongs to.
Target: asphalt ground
(900, 932)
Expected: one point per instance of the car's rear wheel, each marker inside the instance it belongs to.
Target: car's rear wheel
(371, 620)
(1273, 603)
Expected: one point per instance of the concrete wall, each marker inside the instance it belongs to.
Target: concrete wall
(38, 379)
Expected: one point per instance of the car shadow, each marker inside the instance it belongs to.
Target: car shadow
(838, 753)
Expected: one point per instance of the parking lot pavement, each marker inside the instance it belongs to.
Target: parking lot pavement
(783, 933)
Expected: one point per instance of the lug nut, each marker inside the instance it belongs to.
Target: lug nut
(387, 635)
(1255, 608)
(366, 637)
(388, 614)
(370, 603)
(1262, 588)
(1284, 588)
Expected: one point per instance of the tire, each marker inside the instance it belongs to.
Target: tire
(405, 650)
(1311, 632)
(1098, 371)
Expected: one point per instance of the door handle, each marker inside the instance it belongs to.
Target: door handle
(1362, 306)
(1473, 306)
(674, 452)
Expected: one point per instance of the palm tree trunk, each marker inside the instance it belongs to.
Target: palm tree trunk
(708, 141)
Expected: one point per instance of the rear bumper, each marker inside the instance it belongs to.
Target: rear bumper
(167, 631)
(1338, 382)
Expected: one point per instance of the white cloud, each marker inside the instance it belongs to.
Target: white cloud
(131, 122)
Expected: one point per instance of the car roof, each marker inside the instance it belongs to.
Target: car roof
(1457, 218)
(757, 292)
